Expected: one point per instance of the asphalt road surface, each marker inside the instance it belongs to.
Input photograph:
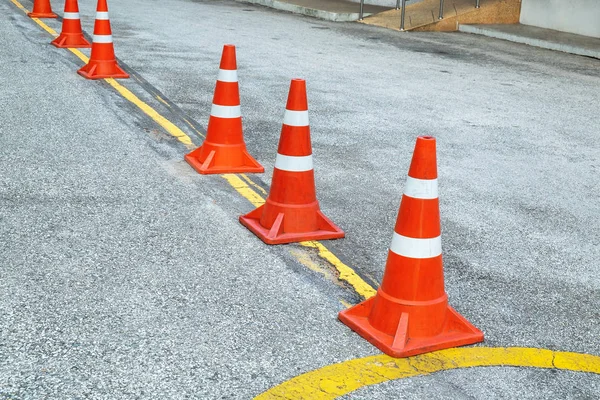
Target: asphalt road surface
(125, 274)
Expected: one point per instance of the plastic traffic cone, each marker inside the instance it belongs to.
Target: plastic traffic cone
(103, 63)
(71, 35)
(41, 9)
(410, 313)
(224, 150)
(291, 212)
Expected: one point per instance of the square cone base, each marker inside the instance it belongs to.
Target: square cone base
(89, 71)
(206, 167)
(71, 42)
(275, 234)
(457, 331)
(42, 15)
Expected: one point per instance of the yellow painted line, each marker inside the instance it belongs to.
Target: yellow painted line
(242, 188)
(247, 179)
(19, 5)
(346, 273)
(45, 27)
(337, 380)
(167, 125)
(81, 56)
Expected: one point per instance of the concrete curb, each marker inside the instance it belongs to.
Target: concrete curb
(546, 44)
(312, 12)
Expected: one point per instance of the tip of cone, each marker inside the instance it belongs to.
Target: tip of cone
(424, 160)
(102, 6)
(228, 60)
(297, 100)
(71, 6)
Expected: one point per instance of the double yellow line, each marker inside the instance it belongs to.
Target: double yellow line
(240, 182)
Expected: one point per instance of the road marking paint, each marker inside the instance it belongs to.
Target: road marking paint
(45, 27)
(164, 102)
(337, 380)
(346, 273)
(260, 189)
(242, 188)
(171, 128)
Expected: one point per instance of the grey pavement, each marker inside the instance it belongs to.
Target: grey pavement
(127, 275)
(331, 10)
(122, 276)
(539, 37)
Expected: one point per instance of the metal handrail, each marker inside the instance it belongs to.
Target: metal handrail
(402, 15)
(403, 12)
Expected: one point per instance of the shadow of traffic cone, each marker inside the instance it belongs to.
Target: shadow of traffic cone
(291, 212)
(71, 35)
(103, 63)
(42, 9)
(224, 150)
(410, 314)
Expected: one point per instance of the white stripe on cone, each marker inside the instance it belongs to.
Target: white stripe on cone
(421, 188)
(294, 163)
(416, 248)
(225, 111)
(102, 15)
(227, 75)
(71, 15)
(295, 118)
(103, 39)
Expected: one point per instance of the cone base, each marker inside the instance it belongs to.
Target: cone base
(274, 235)
(42, 15)
(457, 331)
(102, 70)
(75, 41)
(207, 166)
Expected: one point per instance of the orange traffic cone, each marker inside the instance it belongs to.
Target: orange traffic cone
(103, 63)
(71, 35)
(291, 212)
(224, 150)
(41, 9)
(410, 313)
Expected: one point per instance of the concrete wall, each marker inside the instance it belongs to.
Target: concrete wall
(575, 16)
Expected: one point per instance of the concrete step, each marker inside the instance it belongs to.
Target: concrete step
(331, 10)
(539, 37)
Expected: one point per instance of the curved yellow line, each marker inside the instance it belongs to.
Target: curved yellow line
(339, 379)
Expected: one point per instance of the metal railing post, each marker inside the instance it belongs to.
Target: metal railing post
(397, 4)
(441, 10)
(402, 15)
(476, 3)
(360, 14)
